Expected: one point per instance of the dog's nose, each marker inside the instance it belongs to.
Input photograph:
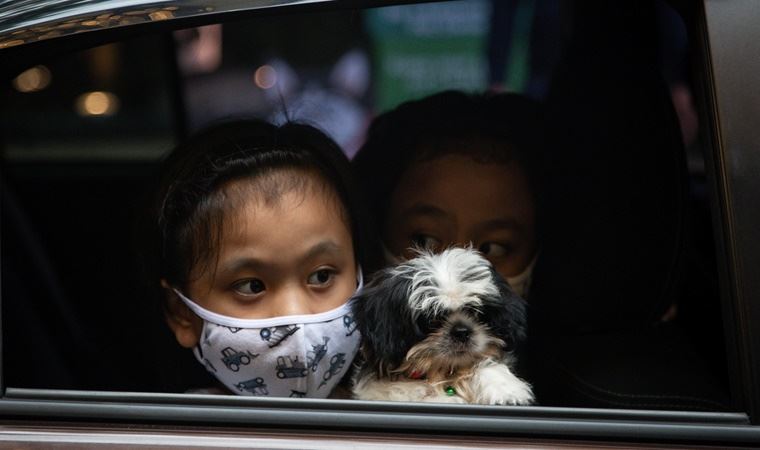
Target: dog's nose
(460, 333)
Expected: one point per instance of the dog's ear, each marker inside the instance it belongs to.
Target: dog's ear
(385, 320)
(506, 315)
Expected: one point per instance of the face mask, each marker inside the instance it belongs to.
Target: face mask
(288, 356)
(519, 283)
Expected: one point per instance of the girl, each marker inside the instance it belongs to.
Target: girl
(259, 250)
(457, 169)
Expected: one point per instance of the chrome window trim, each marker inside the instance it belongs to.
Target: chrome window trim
(380, 417)
(36, 19)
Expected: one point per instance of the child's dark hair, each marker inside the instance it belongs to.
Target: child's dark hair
(434, 126)
(190, 205)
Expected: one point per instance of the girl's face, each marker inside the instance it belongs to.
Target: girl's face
(288, 256)
(455, 200)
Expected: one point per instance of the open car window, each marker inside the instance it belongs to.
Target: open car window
(632, 312)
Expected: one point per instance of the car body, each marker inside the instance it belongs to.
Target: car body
(726, 45)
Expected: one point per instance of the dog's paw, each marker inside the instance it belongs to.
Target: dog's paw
(517, 393)
(495, 384)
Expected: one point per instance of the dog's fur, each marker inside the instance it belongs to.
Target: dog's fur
(439, 321)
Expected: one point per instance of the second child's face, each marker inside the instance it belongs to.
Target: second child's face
(456, 200)
(288, 257)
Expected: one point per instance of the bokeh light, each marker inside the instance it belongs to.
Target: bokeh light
(97, 103)
(33, 80)
(265, 77)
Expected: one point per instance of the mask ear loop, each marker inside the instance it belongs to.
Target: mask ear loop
(359, 281)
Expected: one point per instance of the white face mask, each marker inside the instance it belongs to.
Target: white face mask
(288, 356)
(519, 283)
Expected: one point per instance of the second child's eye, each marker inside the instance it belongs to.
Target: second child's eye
(321, 277)
(253, 286)
(426, 241)
(494, 250)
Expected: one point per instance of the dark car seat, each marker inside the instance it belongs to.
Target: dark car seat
(616, 236)
(74, 313)
(44, 343)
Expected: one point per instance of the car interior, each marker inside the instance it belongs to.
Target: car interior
(625, 310)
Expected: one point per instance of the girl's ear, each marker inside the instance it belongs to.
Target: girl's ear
(185, 325)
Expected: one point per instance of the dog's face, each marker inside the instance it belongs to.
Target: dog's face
(437, 314)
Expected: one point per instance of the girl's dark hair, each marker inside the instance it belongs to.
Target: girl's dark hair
(433, 126)
(188, 210)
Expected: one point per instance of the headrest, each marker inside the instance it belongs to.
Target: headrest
(614, 225)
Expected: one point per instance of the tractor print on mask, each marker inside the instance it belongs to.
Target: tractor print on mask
(276, 335)
(349, 323)
(255, 386)
(336, 364)
(288, 367)
(233, 359)
(318, 352)
(297, 394)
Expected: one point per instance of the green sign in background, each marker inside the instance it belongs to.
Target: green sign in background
(422, 49)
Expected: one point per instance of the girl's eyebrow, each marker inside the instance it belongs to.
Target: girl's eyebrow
(244, 264)
(424, 209)
(500, 224)
(326, 247)
(321, 248)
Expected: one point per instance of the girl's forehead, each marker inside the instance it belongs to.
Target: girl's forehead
(461, 167)
(276, 235)
(288, 193)
(462, 187)
(477, 148)
(286, 230)
(270, 185)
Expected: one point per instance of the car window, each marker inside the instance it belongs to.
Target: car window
(625, 310)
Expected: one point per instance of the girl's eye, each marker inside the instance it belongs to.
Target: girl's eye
(425, 241)
(321, 277)
(494, 250)
(250, 287)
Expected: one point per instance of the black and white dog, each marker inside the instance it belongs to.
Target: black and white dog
(440, 328)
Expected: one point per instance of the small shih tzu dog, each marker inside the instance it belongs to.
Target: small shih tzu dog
(440, 328)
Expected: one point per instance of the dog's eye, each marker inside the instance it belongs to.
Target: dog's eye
(422, 327)
(473, 311)
(426, 325)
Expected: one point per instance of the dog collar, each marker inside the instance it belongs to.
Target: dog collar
(416, 375)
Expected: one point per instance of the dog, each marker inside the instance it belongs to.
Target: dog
(440, 328)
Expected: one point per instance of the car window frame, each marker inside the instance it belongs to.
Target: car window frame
(730, 136)
(728, 109)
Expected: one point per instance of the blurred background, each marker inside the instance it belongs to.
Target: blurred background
(334, 69)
